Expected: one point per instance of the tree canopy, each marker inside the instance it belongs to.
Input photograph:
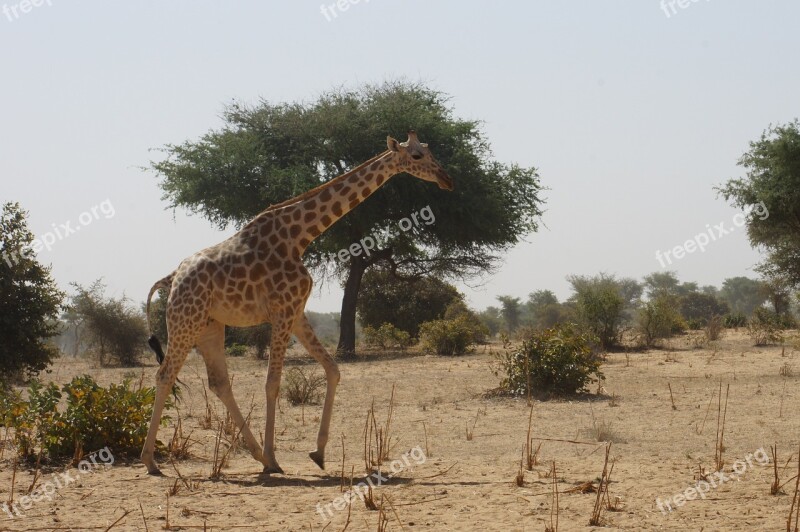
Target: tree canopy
(30, 302)
(770, 195)
(269, 152)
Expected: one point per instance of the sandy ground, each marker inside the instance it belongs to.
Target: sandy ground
(460, 483)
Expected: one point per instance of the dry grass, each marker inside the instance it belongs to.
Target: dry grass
(604, 431)
(178, 447)
(466, 485)
(304, 387)
(602, 492)
(377, 438)
(554, 508)
(719, 446)
(794, 509)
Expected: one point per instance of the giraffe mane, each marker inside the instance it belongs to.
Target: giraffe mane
(316, 190)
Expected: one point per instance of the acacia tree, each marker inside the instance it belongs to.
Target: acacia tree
(269, 152)
(30, 302)
(771, 196)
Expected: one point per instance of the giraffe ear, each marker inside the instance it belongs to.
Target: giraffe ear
(392, 144)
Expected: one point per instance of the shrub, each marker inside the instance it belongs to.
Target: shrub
(714, 329)
(764, 327)
(406, 303)
(695, 324)
(460, 309)
(734, 320)
(697, 307)
(387, 336)
(236, 350)
(94, 417)
(447, 337)
(258, 337)
(112, 328)
(304, 388)
(786, 321)
(560, 360)
(491, 319)
(600, 306)
(658, 319)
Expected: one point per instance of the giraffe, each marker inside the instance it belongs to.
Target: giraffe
(257, 276)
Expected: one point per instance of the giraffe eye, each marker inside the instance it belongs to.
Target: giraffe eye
(416, 156)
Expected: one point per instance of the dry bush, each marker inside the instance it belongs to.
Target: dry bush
(764, 328)
(178, 447)
(386, 337)
(714, 329)
(304, 387)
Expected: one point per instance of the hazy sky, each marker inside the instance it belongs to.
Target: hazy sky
(630, 115)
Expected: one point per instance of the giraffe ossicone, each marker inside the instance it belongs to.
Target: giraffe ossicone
(257, 276)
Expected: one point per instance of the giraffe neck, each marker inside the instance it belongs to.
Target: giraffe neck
(322, 207)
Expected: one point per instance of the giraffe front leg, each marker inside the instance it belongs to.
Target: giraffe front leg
(280, 339)
(305, 333)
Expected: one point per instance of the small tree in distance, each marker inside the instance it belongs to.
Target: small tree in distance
(600, 306)
(115, 329)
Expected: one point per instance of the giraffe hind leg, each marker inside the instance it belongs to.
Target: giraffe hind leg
(165, 378)
(211, 346)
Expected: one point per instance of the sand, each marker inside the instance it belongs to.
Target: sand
(446, 480)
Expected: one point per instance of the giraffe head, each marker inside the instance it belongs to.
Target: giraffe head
(414, 157)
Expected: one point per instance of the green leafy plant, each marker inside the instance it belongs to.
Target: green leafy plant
(765, 327)
(94, 417)
(236, 350)
(480, 331)
(659, 318)
(600, 304)
(387, 336)
(560, 361)
(734, 320)
(447, 337)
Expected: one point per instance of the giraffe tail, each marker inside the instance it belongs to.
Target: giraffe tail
(155, 345)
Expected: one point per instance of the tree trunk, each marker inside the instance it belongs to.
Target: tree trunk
(347, 324)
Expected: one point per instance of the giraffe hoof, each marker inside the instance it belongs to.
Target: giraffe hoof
(319, 458)
(268, 470)
(155, 472)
